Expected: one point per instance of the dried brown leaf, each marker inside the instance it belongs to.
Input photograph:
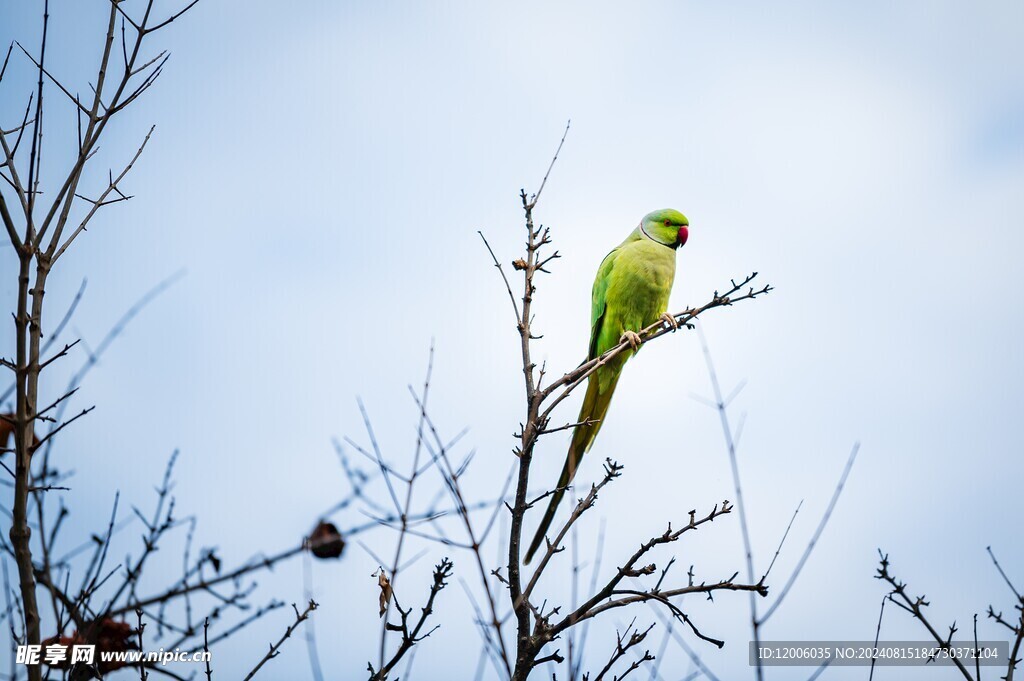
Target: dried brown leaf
(385, 592)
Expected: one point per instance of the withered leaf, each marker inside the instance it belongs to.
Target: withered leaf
(385, 592)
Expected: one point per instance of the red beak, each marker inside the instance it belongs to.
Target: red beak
(684, 234)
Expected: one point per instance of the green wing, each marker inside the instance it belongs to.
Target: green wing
(599, 299)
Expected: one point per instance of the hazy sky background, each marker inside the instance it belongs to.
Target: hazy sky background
(321, 171)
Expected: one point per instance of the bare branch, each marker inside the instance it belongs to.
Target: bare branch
(1003, 574)
(275, 648)
(100, 202)
(915, 606)
(817, 533)
(53, 80)
(508, 287)
(622, 645)
(536, 197)
(174, 16)
(414, 634)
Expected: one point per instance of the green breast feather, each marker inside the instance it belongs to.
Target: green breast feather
(631, 289)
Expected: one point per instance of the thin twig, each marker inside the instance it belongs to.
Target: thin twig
(275, 648)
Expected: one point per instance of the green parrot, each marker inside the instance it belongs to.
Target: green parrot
(630, 292)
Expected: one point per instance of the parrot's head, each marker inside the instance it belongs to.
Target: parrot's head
(668, 227)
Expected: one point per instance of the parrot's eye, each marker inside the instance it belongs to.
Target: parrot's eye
(667, 222)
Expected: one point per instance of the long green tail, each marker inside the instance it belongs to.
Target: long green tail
(595, 406)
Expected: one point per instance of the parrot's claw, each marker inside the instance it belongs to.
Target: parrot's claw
(670, 320)
(633, 338)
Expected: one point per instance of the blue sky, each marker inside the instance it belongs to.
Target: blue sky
(320, 173)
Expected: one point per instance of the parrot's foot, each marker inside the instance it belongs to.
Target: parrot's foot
(633, 337)
(670, 320)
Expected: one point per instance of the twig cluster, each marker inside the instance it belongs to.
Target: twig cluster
(900, 596)
(41, 227)
(69, 590)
